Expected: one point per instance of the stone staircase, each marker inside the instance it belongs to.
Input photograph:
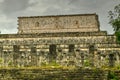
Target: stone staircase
(52, 74)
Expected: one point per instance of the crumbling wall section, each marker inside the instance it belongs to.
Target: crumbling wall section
(75, 50)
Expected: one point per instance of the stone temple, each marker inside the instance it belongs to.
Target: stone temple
(65, 39)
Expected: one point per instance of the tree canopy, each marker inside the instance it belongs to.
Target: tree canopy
(114, 18)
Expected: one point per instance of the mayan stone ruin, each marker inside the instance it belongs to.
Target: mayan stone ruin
(69, 40)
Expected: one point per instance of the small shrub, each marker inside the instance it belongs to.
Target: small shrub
(117, 34)
(10, 63)
(86, 63)
(52, 63)
(112, 76)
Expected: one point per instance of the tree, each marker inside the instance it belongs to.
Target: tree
(114, 18)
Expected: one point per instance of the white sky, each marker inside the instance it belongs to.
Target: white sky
(11, 9)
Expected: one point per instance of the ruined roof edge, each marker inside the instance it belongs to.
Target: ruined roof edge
(57, 15)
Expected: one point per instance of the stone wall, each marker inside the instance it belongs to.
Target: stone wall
(33, 50)
(52, 74)
(20, 56)
(63, 23)
(63, 34)
(59, 40)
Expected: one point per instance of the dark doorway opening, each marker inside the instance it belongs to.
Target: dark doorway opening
(33, 49)
(16, 48)
(52, 50)
(71, 47)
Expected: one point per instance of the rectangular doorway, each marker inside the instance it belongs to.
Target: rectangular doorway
(52, 51)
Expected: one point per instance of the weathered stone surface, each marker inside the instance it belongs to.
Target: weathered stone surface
(52, 74)
(69, 40)
(63, 23)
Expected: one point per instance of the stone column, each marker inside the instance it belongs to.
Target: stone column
(37, 56)
(64, 60)
(5, 57)
(33, 53)
(104, 60)
(117, 55)
(21, 58)
(59, 56)
(78, 58)
(97, 59)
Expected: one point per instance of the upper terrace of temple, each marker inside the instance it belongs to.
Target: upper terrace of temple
(58, 23)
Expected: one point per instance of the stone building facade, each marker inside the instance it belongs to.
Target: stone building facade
(61, 23)
(64, 39)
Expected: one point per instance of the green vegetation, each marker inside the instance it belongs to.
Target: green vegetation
(10, 63)
(86, 63)
(52, 63)
(112, 76)
(114, 20)
(1, 60)
(117, 34)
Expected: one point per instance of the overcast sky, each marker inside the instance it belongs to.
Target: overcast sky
(11, 9)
